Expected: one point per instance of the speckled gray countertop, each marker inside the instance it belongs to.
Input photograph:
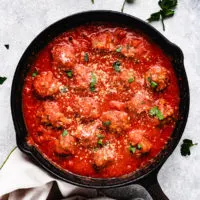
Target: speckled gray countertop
(22, 20)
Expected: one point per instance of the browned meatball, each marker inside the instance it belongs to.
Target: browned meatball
(66, 145)
(132, 46)
(125, 78)
(49, 114)
(87, 107)
(165, 110)
(46, 85)
(104, 41)
(64, 56)
(141, 102)
(83, 76)
(157, 78)
(116, 121)
(103, 156)
(138, 141)
(87, 134)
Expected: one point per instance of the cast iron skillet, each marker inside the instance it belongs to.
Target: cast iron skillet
(147, 176)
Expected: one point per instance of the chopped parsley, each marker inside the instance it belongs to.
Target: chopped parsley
(35, 73)
(93, 82)
(100, 142)
(86, 57)
(185, 147)
(167, 10)
(116, 66)
(92, 1)
(2, 79)
(130, 80)
(132, 149)
(107, 123)
(69, 73)
(152, 83)
(118, 50)
(64, 133)
(7, 46)
(156, 112)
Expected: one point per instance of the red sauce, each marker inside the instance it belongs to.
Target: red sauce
(103, 102)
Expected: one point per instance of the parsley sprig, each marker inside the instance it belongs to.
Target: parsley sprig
(167, 10)
(116, 66)
(185, 147)
(93, 82)
(156, 112)
(2, 79)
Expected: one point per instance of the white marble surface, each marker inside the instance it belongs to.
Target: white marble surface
(22, 20)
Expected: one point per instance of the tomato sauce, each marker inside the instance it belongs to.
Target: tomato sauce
(100, 100)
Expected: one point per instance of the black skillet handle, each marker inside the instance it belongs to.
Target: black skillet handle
(150, 183)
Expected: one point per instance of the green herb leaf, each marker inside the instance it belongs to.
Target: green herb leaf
(100, 142)
(106, 123)
(167, 10)
(119, 49)
(139, 146)
(64, 133)
(130, 80)
(35, 73)
(132, 149)
(93, 82)
(116, 66)
(2, 79)
(156, 112)
(152, 83)
(167, 4)
(154, 17)
(69, 73)
(185, 147)
(167, 13)
(86, 57)
(92, 1)
(7, 46)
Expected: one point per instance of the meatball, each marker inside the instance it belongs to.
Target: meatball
(103, 156)
(87, 107)
(124, 80)
(66, 145)
(87, 134)
(117, 105)
(133, 46)
(46, 85)
(137, 139)
(83, 77)
(162, 110)
(49, 114)
(104, 41)
(127, 76)
(157, 78)
(64, 56)
(116, 121)
(141, 102)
